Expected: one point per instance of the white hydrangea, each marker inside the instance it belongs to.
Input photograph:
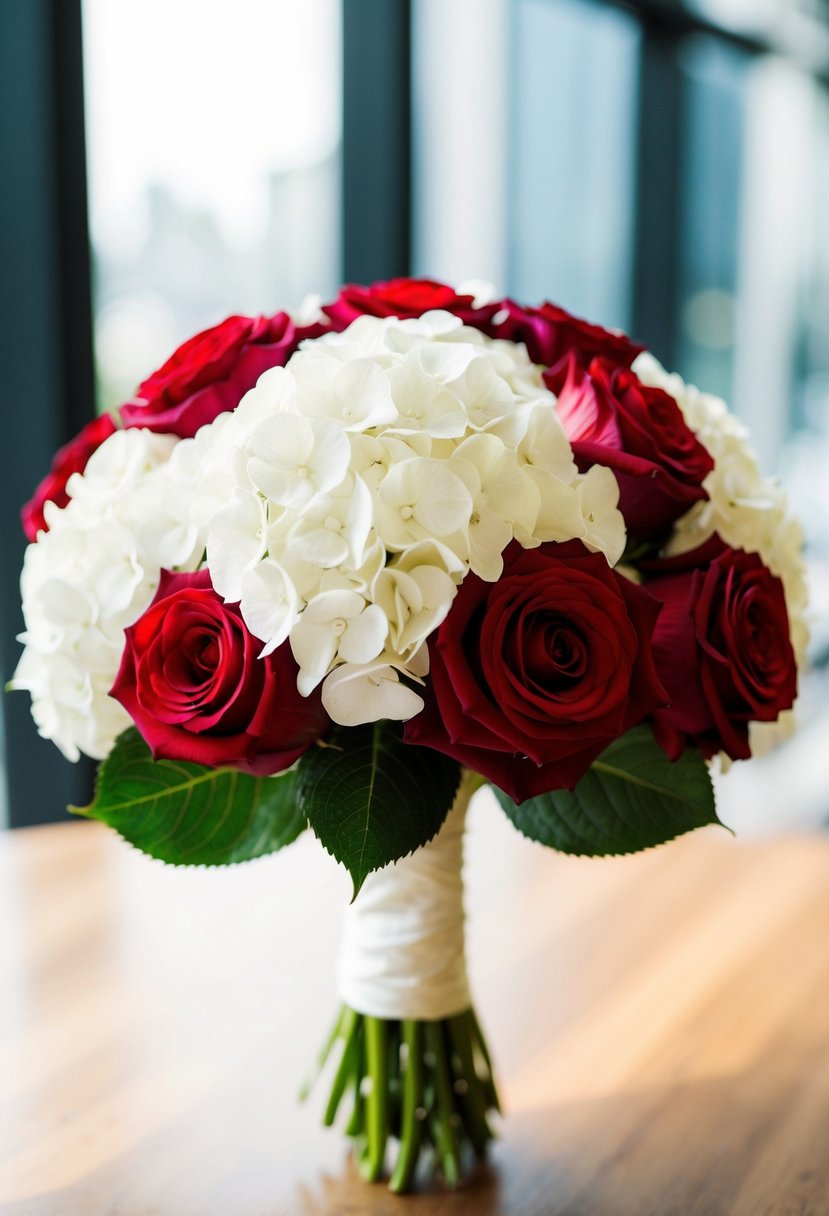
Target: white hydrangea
(748, 511)
(89, 577)
(363, 481)
(341, 504)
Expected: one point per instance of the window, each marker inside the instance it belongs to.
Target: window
(657, 165)
(215, 190)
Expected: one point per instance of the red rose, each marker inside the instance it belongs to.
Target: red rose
(405, 298)
(211, 372)
(533, 676)
(551, 335)
(722, 649)
(611, 418)
(70, 459)
(191, 681)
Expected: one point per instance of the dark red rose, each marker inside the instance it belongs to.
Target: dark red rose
(191, 681)
(611, 418)
(533, 676)
(722, 649)
(405, 298)
(70, 459)
(552, 335)
(211, 372)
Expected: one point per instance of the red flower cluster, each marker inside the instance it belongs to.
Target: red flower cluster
(552, 336)
(611, 418)
(532, 676)
(193, 684)
(211, 372)
(722, 648)
(406, 298)
(206, 376)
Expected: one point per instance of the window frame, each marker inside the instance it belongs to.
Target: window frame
(47, 334)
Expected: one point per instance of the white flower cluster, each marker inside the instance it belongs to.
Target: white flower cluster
(364, 480)
(342, 503)
(748, 511)
(87, 578)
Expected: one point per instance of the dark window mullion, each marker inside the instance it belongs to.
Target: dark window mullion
(658, 193)
(46, 330)
(376, 139)
(72, 215)
(673, 16)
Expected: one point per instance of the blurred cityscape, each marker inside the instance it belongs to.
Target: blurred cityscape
(187, 275)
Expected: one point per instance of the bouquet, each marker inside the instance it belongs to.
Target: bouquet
(340, 569)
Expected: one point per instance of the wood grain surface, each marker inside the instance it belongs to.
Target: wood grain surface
(660, 1025)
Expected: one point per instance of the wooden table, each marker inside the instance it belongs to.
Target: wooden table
(661, 1024)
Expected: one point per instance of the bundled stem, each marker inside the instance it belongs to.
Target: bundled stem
(416, 1089)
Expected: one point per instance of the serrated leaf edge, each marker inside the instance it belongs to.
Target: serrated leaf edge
(673, 796)
(132, 736)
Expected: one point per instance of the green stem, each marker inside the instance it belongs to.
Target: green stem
(445, 1125)
(474, 781)
(377, 1097)
(468, 1086)
(356, 1126)
(479, 1045)
(347, 1067)
(394, 1084)
(322, 1059)
(427, 1084)
(412, 1102)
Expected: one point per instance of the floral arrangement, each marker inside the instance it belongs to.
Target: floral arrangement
(340, 569)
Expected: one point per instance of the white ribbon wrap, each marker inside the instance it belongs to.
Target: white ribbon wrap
(403, 945)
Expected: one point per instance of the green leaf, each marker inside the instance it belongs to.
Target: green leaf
(187, 814)
(371, 798)
(631, 798)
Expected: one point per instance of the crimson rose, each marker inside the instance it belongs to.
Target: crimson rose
(533, 676)
(211, 372)
(70, 459)
(191, 681)
(611, 418)
(722, 649)
(551, 335)
(405, 298)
